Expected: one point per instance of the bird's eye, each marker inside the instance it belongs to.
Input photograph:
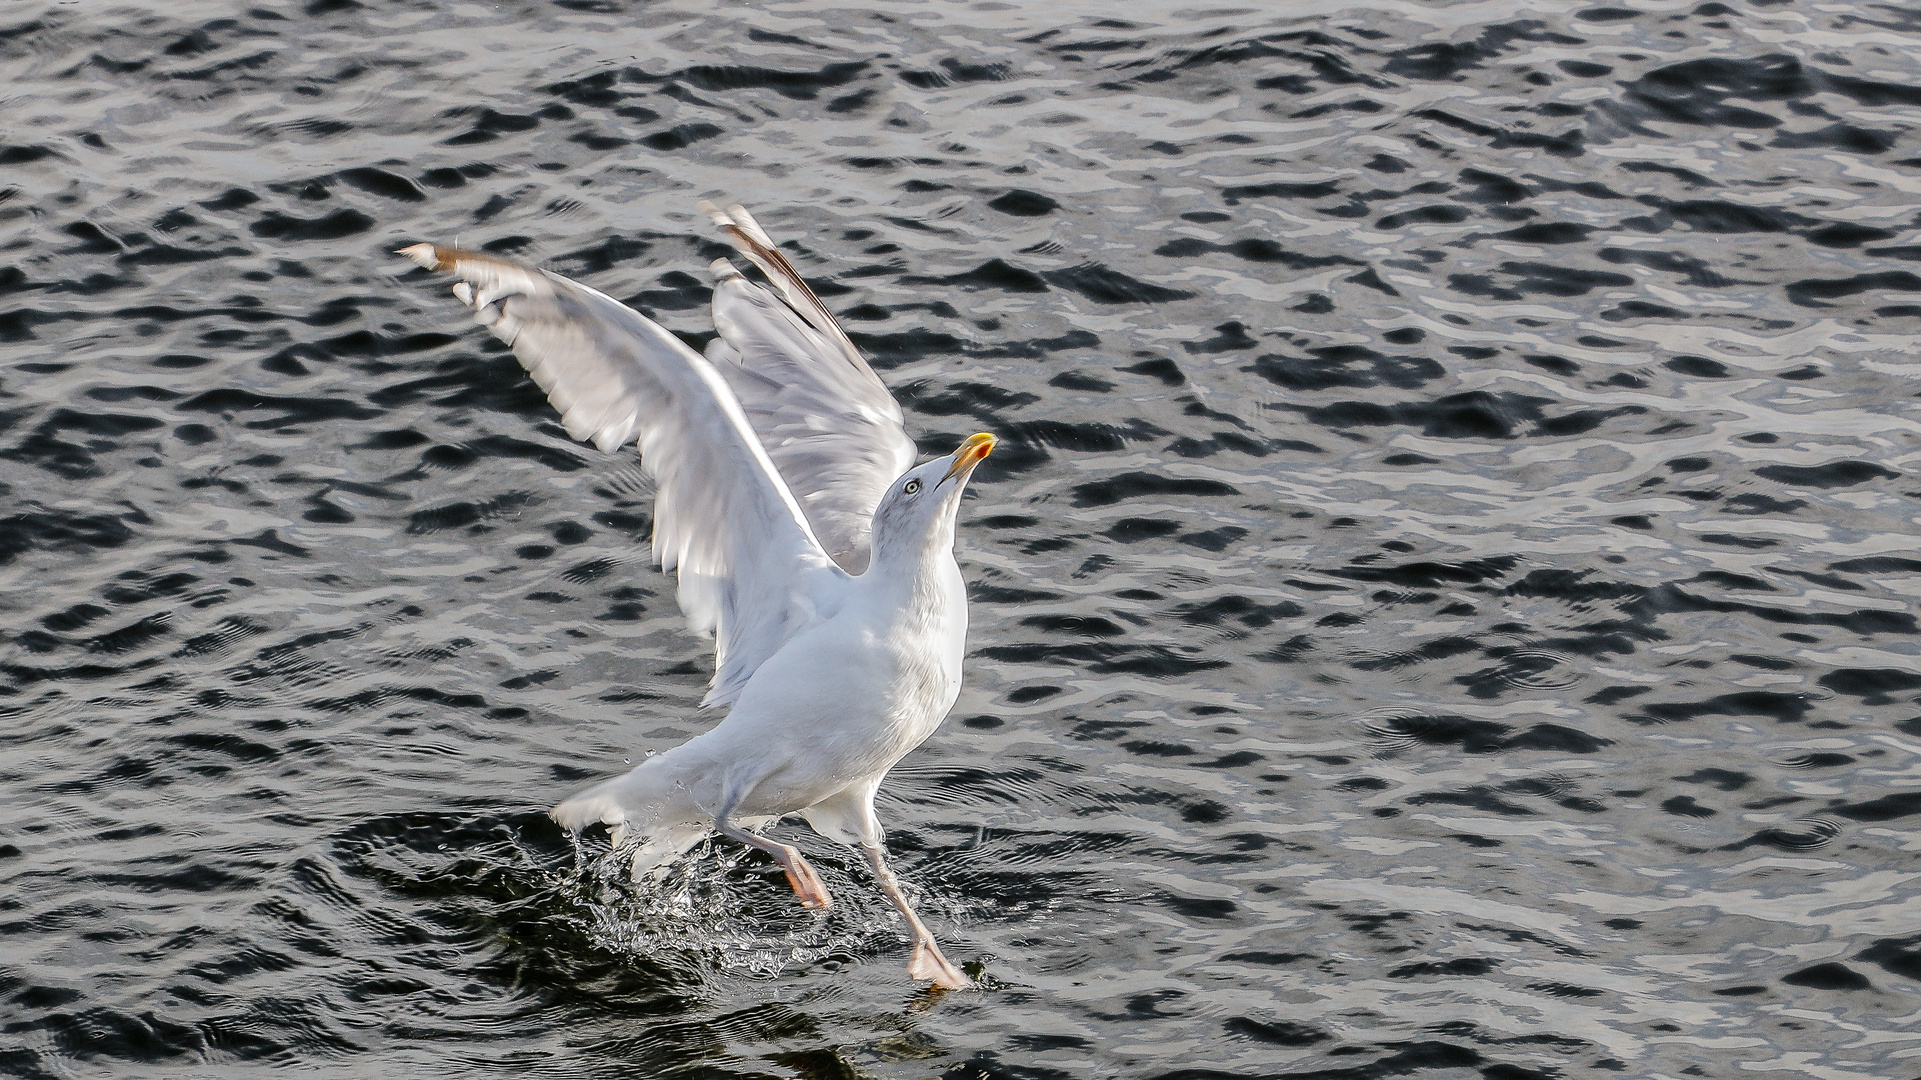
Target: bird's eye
(910, 487)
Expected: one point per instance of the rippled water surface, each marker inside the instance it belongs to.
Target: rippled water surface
(1443, 606)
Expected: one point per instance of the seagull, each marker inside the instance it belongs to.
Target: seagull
(803, 535)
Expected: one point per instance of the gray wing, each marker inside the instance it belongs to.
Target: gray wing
(828, 422)
(750, 566)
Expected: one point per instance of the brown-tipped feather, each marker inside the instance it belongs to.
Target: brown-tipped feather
(435, 257)
(775, 257)
(429, 256)
(755, 244)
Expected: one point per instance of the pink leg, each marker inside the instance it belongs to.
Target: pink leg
(800, 873)
(927, 961)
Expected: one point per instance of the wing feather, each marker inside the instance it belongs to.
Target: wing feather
(829, 424)
(749, 564)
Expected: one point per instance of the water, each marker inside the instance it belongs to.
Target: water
(1443, 606)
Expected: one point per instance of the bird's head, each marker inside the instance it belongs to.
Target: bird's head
(919, 509)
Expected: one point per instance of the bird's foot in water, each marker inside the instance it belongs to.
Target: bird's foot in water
(800, 873)
(807, 884)
(928, 963)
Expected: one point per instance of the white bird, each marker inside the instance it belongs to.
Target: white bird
(821, 560)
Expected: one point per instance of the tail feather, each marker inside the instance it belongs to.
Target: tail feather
(637, 806)
(597, 805)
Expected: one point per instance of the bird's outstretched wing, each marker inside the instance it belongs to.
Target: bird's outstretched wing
(750, 566)
(827, 421)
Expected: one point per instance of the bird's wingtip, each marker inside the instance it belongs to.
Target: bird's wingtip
(460, 261)
(426, 255)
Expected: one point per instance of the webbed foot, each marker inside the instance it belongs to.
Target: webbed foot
(928, 963)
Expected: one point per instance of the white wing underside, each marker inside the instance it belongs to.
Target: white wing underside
(727, 462)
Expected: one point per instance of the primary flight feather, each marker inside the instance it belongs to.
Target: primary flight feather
(788, 503)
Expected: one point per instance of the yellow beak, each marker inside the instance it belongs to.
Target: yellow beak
(970, 454)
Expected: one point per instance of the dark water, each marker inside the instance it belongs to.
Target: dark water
(1444, 605)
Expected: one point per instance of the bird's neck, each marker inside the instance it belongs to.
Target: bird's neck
(917, 573)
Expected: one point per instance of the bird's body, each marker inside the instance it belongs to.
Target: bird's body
(786, 502)
(864, 686)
